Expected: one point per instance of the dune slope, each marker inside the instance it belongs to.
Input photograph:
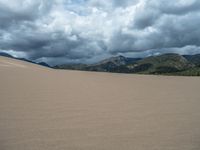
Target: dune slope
(46, 109)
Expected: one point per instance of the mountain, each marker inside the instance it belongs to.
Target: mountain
(113, 64)
(118, 61)
(71, 66)
(161, 64)
(195, 59)
(44, 64)
(168, 64)
(6, 55)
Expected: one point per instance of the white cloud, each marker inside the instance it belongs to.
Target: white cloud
(85, 30)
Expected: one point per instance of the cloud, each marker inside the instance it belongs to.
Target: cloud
(17, 11)
(59, 31)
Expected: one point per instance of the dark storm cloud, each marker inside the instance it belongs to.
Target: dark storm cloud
(159, 25)
(178, 8)
(17, 11)
(59, 31)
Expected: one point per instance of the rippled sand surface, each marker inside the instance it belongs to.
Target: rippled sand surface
(46, 109)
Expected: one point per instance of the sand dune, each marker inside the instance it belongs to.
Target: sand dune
(9, 63)
(46, 109)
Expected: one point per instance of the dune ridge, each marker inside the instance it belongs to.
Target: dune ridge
(47, 109)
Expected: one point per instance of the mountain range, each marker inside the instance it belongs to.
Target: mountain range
(165, 64)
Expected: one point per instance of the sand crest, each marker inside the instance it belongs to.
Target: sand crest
(46, 109)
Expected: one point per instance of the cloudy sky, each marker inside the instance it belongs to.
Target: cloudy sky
(85, 31)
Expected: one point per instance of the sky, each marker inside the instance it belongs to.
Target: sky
(86, 31)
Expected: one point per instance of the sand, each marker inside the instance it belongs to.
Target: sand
(46, 109)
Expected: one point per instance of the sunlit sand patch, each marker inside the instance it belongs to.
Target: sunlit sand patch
(4, 65)
(10, 64)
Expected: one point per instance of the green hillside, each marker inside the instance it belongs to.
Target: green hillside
(166, 64)
(161, 64)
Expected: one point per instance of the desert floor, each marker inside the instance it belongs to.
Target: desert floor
(46, 109)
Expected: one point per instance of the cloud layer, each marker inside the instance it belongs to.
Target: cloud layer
(60, 31)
